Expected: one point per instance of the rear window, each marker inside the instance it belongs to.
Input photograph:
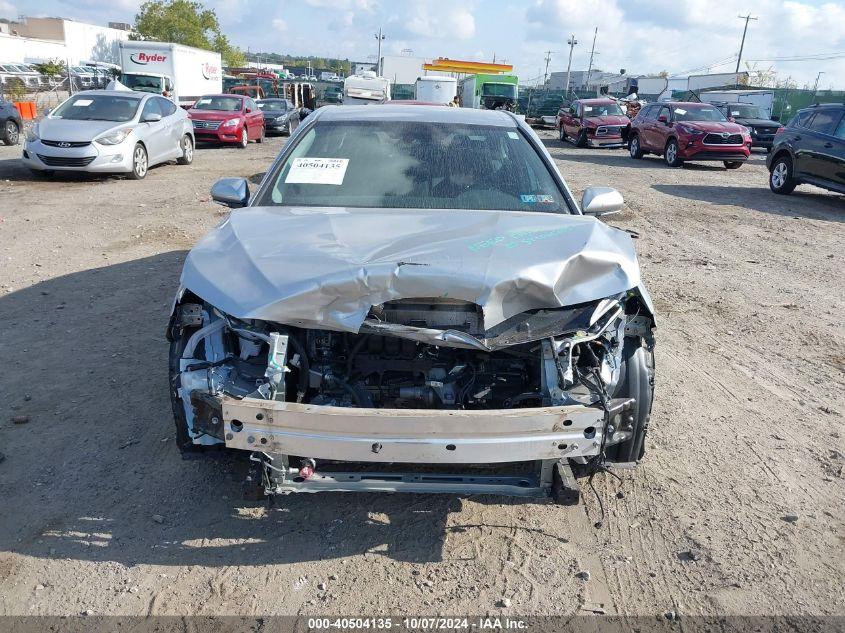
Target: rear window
(801, 119)
(398, 164)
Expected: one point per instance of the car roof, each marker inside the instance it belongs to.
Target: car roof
(222, 94)
(417, 114)
(133, 94)
(685, 104)
(597, 100)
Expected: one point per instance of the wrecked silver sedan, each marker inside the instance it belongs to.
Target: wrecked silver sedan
(413, 301)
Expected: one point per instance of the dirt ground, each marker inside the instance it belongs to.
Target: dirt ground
(736, 509)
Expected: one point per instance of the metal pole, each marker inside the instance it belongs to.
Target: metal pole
(816, 85)
(546, 72)
(592, 52)
(742, 44)
(69, 78)
(379, 37)
(572, 42)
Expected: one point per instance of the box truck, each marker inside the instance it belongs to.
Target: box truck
(489, 92)
(181, 73)
(436, 89)
(365, 88)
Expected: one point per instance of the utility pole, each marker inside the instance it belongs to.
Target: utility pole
(572, 42)
(546, 72)
(742, 44)
(380, 37)
(592, 52)
(816, 85)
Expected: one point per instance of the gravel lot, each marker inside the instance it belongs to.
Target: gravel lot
(736, 509)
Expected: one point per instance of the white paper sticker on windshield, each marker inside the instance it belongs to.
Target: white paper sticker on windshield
(513, 135)
(679, 111)
(81, 103)
(203, 102)
(317, 171)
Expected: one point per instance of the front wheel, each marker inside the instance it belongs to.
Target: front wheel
(260, 139)
(670, 154)
(732, 164)
(140, 163)
(782, 180)
(187, 156)
(635, 148)
(11, 133)
(636, 381)
(582, 139)
(244, 139)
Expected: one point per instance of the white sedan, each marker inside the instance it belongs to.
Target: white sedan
(110, 131)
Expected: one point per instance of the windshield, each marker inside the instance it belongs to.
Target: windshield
(390, 164)
(224, 104)
(499, 90)
(272, 106)
(94, 107)
(602, 109)
(698, 113)
(746, 111)
(143, 83)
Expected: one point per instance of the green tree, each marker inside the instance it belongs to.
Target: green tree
(185, 22)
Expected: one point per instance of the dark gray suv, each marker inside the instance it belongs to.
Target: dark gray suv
(10, 123)
(810, 149)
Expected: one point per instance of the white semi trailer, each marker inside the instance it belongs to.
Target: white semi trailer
(181, 73)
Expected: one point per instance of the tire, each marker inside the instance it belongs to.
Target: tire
(260, 139)
(183, 439)
(670, 154)
(732, 164)
(582, 139)
(244, 138)
(635, 149)
(289, 128)
(11, 133)
(636, 381)
(187, 151)
(781, 177)
(140, 163)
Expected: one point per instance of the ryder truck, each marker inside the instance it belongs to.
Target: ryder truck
(181, 73)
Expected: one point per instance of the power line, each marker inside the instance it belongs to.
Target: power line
(742, 44)
(802, 58)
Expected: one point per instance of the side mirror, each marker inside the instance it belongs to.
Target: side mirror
(152, 117)
(231, 192)
(731, 119)
(775, 118)
(663, 119)
(601, 201)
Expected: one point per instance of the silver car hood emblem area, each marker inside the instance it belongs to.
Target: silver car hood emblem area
(326, 268)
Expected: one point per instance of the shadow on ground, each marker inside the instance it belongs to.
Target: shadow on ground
(807, 204)
(95, 468)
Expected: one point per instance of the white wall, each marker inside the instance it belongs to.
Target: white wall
(401, 69)
(87, 42)
(28, 50)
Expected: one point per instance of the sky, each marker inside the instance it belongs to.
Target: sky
(641, 36)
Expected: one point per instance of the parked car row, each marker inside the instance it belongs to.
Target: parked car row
(124, 131)
(85, 77)
(809, 149)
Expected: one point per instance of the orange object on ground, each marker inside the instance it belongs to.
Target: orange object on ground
(26, 109)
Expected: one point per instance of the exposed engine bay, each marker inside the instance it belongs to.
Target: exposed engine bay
(415, 355)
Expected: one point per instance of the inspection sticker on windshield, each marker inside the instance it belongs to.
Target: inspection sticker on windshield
(317, 171)
(81, 103)
(534, 199)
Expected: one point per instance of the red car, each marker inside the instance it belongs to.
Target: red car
(689, 131)
(227, 119)
(593, 123)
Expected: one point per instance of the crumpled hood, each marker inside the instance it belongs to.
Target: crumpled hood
(611, 119)
(325, 268)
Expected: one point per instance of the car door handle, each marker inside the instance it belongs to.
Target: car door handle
(828, 145)
(796, 138)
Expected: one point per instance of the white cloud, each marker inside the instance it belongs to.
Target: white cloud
(280, 25)
(8, 9)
